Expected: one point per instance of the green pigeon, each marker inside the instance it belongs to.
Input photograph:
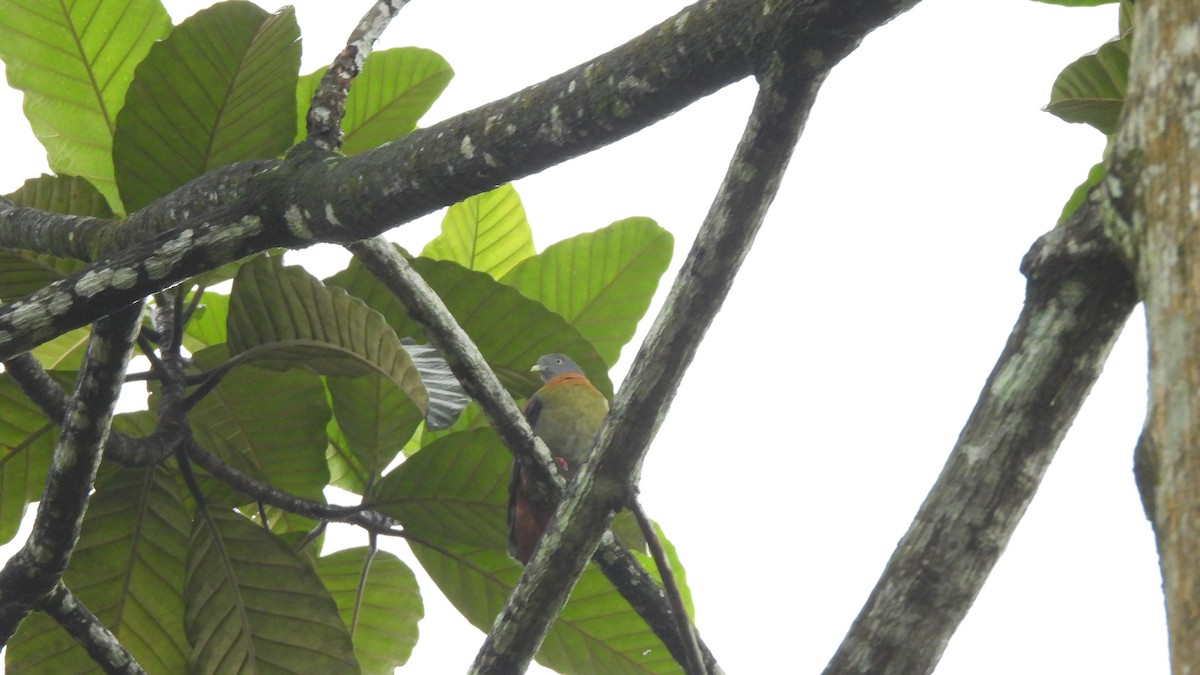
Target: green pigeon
(566, 413)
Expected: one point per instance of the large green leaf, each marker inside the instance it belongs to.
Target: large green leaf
(74, 61)
(597, 632)
(61, 194)
(376, 419)
(273, 422)
(511, 330)
(383, 617)
(128, 569)
(26, 441)
(23, 272)
(254, 606)
(220, 89)
(455, 489)
(1092, 88)
(396, 87)
(283, 317)
(601, 282)
(487, 232)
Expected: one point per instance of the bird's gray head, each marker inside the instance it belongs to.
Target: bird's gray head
(553, 365)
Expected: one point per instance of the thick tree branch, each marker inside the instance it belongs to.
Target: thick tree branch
(249, 207)
(89, 632)
(1078, 297)
(788, 87)
(36, 569)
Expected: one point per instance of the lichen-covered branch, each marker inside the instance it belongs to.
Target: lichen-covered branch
(1152, 186)
(788, 87)
(313, 196)
(37, 567)
(99, 642)
(1078, 297)
(324, 119)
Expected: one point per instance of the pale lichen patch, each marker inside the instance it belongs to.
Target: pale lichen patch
(297, 223)
(1187, 40)
(974, 453)
(331, 216)
(467, 147)
(160, 263)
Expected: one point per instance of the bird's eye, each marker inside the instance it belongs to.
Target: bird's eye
(558, 361)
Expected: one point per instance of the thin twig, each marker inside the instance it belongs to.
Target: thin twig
(372, 521)
(687, 634)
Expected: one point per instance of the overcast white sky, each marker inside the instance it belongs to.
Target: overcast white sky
(852, 348)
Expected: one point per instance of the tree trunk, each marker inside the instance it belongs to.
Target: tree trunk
(1156, 195)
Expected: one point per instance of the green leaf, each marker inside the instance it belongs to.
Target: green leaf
(220, 89)
(1092, 89)
(487, 232)
(26, 443)
(1095, 175)
(272, 422)
(23, 272)
(74, 61)
(601, 282)
(64, 352)
(455, 489)
(61, 194)
(284, 317)
(382, 619)
(396, 87)
(511, 330)
(376, 418)
(207, 327)
(345, 470)
(255, 606)
(597, 632)
(128, 569)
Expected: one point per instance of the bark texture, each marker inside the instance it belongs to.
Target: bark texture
(1155, 189)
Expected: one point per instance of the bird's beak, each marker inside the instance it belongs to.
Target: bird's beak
(537, 368)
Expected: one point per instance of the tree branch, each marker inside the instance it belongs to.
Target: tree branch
(89, 632)
(324, 119)
(788, 87)
(1078, 297)
(1152, 184)
(372, 521)
(36, 569)
(251, 206)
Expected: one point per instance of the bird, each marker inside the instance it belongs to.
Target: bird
(567, 413)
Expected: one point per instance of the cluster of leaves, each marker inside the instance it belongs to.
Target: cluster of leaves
(317, 382)
(1091, 90)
